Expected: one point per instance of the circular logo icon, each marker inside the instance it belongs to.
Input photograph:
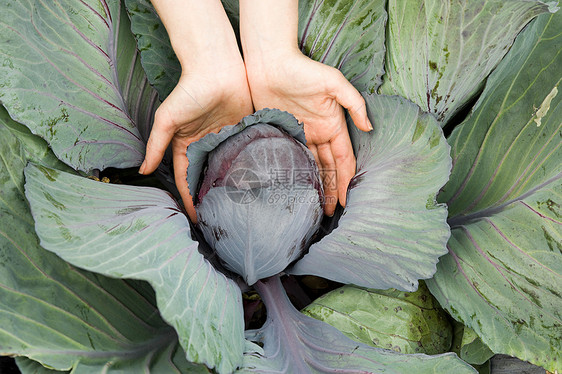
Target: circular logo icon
(244, 186)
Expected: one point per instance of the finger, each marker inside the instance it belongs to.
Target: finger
(347, 96)
(328, 174)
(160, 137)
(345, 164)
(179, 149)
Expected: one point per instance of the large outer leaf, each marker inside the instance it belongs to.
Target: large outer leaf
(295, 343)
(392, 231)
(503, 276)
(440, 52)
(348, 35)
(58, 314)
(406, 322)
(139, 232)
(71, 73)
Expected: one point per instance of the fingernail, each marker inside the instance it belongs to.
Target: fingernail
(370, 126)
(142, 167)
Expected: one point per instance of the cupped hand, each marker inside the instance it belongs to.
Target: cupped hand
(316, 95)
(203, 101)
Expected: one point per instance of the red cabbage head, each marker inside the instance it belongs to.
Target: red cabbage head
(259, 196)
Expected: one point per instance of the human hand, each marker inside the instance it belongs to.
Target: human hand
(204, 100)
(316, 94)
(212, 91)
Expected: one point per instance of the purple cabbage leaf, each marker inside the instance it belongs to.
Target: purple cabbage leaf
(503, 274)
(56, 314)
(392, 231)
(439, 53)
(72, 75)
(140, 233)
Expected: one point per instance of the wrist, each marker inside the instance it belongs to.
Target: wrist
(222, 78)
(268, 29)
(199, 31)
(215, 59)
(266, 56)
(271, 67)
(219, 47)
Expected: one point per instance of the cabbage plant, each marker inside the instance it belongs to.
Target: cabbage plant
(447, 252)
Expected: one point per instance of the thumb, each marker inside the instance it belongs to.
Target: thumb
(160, 137)
(348, 97)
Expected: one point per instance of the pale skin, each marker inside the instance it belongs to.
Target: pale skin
(218, 87)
